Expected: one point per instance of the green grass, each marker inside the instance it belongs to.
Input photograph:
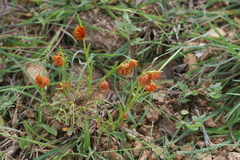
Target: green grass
(45, 124)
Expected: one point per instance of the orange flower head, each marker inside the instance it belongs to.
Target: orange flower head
(58, 60)
(125, 116)
(151, 88)
(62, 86)
(132, 63)
(153, 75)
(80, 33)
(144, 80)
(104, 85)
(124, 69)
(42, 81)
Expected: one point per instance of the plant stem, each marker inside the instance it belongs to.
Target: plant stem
(170, 59)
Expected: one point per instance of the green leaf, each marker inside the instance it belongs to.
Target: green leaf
(70, 131)
(216, 96)
(125, 16)
(182, 86)
(25, 144)
(195, 118)
(184, 112)
(36, 17)
(187, 94)
(134, 28)
(86, 135)
(49, 129)
(191, 127)
(194, 93)
(198, 124)
(54, 129)
(184, 100)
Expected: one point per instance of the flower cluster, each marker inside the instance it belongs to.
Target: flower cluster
(42, 81)
(58, 60)
(80, 33)
(104, 85)
(147, 78)
(126, 68)
(125, 116)
(62, 86)
(151, 87)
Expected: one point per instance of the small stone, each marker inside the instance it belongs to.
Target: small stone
(210, 123)
(145, 129)
(233, 156)
(136, 152)
(153, 114)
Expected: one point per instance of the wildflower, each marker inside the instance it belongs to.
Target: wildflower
(58, 60)
(125, 116)
(42, 81)
(80, 33)
(151, 88)
(132, 63)
(62, 86)
(153, 75)
(65, 129)
(104, 85)
(144, 80)
(124, 69)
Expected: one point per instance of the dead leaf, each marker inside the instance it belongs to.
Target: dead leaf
(181, 68)
(200, 53)
(237, 20)
(168, 73)
(33, 69)
(190, 59)
(210, 123)
(214, 34)
(168, 125)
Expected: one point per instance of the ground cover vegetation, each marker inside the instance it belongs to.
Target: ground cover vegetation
(120, 79)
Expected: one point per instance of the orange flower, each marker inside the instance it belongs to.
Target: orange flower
(132, 63)
(153, 75)
(62, 86)
(151, 87)
(124, 69)
(42, 81)
(58, 60)
(104, 85)
(80, 33)
(144, 80)
(125, 116)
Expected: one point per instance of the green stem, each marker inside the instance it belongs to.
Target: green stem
(41, 107)
(133, 99)
(131, 91)
(129, 104)
(89, 66)
(170, 59)
(105, 77)
(44, 95)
